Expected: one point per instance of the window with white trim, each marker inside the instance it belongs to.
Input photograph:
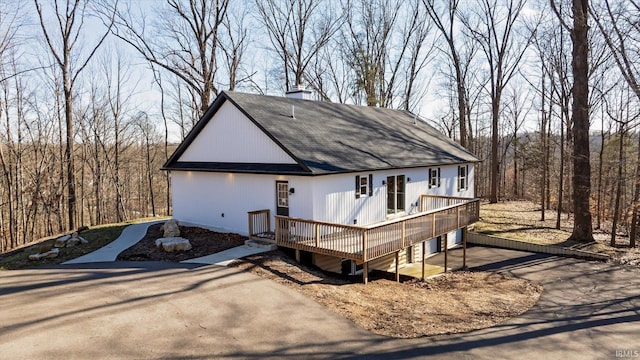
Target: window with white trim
(463, 177)
(395, 194)
(364, 185)
(434, 178)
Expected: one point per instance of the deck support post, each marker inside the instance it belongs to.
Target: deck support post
(464, 247)
(365, 273)
(268, 220)
(397, 261)
(424, 254)
(297, 255)
(445, 244)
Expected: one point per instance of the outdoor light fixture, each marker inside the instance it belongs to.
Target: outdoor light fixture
(292, 191)
(384, 182)
(408, 179)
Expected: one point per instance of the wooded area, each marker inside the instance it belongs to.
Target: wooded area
(95, 95)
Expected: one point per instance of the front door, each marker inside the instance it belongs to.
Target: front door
(282, 198)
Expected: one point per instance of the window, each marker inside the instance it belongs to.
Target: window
(283, 193)
(463, 177)
(434, 178)
(395, 194)
(364, 185)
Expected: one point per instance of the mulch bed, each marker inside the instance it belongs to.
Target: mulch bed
(204, 242)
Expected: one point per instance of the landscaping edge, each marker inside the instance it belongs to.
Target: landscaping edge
(488, 240)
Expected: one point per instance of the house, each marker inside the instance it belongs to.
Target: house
(346, 186)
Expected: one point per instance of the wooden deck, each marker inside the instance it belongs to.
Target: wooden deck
(366, 243)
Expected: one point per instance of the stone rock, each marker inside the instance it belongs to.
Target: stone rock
(49, 254)
(171, 228)
(62, 241)
(70, 240)
(173, 244)
(79, 238)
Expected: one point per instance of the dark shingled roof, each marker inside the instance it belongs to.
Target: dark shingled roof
(329, 138)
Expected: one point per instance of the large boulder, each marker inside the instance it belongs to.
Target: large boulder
(173, 244)
(171, 228)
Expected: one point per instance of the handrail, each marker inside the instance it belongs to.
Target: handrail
(367, 242)
(355, 227)
(447, 197)
(259, 221)
(418, 214)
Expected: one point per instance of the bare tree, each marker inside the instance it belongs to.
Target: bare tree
(62, 41)
(517, 108)
(619, 28)
(445, 22)
(185, 43)
(234, 43)
(377, 39)
(149, 138)
(582, 226)
(298, 30)
(495, 29)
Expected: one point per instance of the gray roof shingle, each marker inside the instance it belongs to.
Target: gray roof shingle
(334, 138)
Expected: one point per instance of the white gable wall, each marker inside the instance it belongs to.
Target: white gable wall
(231, 137)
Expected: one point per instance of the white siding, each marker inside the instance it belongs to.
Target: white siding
(334, 197)
(449, 182)
(201, 198)
(230, 137)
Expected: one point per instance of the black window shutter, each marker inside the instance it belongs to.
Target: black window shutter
(357, 186)
(466, 177)
(438, 177)
(430, 178)
(459, 175)
(370, 184)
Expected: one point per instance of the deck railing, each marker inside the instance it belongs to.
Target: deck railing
(259, 222)
(332, 239)
(432, 202)
(365, 243)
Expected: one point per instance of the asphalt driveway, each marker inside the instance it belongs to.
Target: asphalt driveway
(589, 310)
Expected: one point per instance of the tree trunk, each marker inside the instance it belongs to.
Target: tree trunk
(619, 185)
(600, 161)
(495, 168)
(68, 155)
(635, 217)
(543, 140)
(582, 226)
(561, 178)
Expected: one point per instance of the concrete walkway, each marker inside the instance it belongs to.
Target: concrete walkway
(130, 236)
(225, 257)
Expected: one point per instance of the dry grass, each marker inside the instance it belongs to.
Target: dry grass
(451, 303)
(520, 220)
(98, 236)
